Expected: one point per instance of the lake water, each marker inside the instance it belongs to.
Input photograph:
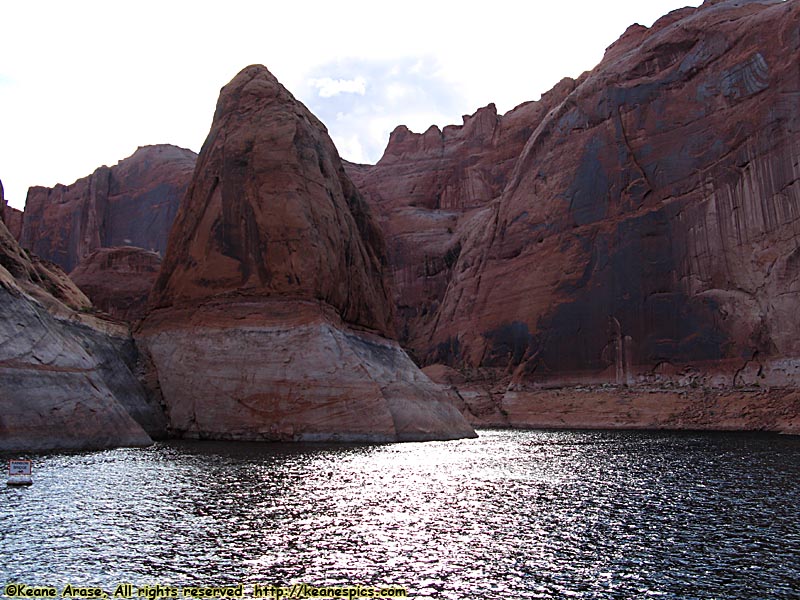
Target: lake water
(512, 514)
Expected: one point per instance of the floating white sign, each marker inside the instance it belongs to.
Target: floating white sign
(19, 467)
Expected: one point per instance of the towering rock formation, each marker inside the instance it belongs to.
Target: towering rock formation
(66, 378)
(130, 204)
(650, 220)
(271, 318)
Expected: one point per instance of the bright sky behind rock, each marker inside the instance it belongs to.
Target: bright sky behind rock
(84, 84)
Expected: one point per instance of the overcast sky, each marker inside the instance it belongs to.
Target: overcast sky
(83, 84)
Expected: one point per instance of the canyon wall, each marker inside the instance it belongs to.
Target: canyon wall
(648, 225)
(132, 203)
(427, 189)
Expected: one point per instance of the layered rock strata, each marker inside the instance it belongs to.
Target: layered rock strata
(118, 280)
(271, 318)
(130, 204)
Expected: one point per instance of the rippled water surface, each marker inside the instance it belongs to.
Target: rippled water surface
(509, 515)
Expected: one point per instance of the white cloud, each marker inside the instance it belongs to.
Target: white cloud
(408, 91)
(396, 91)
(333, 87)
(351, 149)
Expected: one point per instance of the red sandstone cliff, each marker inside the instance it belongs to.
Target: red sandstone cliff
(130, 204)
(271, 318)
(636, 224)
(649, 222)
(10, 216)
(428, 188)
(13, 220)
(118, 280)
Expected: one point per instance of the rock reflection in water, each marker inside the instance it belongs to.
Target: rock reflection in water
(511, 514)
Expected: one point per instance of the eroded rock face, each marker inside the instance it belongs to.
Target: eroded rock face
(426, 191)
(130, 204)
(118, 280)
(10, 215)
(13, 220)
(650, 220)
(270, 211)
(278, 370)
(66, 378)
(271, 319)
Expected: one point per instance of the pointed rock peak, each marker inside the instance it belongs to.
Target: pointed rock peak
(632, 37)
(251, 72)
(161, 151)
(399, 134)
(401, 141)
(559, 91)
(255, 80)
(253, 89)
(490, 110)
(254, 77)
(480, 126)
(270, 212)
(275, 266)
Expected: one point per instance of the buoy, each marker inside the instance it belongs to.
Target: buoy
(19, 480)
(19, 472)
